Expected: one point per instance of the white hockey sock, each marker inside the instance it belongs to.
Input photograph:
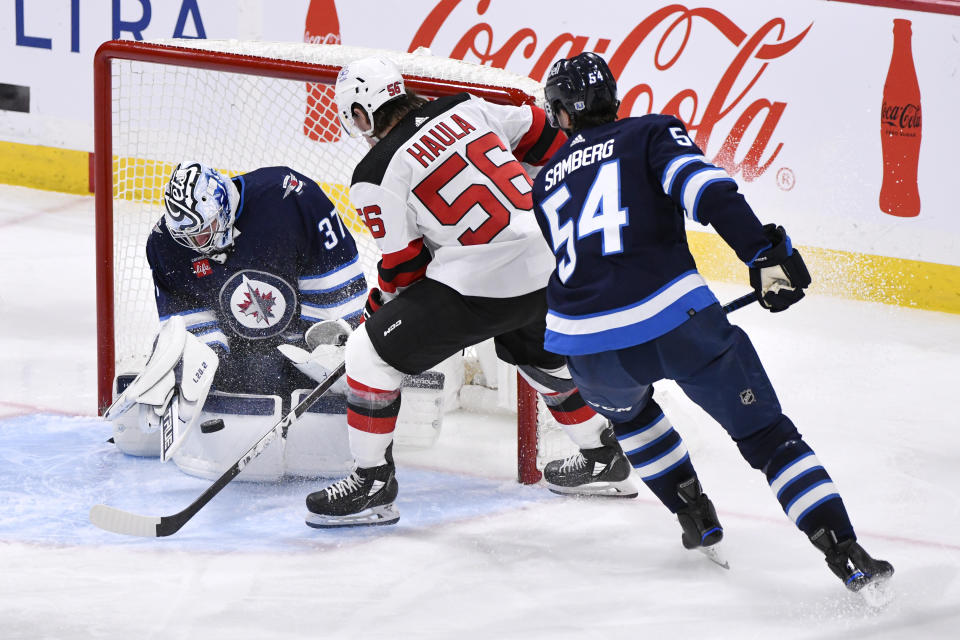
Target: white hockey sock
(586, 435)
(369, 449)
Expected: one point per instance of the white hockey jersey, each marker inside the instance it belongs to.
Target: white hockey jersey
(445, 197)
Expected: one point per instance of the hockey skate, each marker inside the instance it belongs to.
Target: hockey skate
(601, 472)
(859, 572)
(701, 526)
(363, 498)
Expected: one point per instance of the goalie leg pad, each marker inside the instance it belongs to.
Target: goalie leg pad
(421, 412)
(246, 418)
(130, 430)
(153, 383)
(317, 444)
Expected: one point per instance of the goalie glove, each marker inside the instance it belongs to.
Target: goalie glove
(328, 341)
(778, 274)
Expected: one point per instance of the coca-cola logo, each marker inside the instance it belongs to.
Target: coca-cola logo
(901, 116)
(321, 38)
(676, 27)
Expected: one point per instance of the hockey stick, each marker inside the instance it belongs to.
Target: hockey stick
(740, 302)
(131, 524)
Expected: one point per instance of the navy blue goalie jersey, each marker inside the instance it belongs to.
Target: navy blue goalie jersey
(611, 203)
(293, 264)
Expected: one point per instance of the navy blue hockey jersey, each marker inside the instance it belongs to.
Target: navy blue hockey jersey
(611, 203)
(293, 264)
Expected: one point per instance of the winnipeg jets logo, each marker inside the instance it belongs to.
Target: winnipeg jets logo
(258, 305)
(291, 184)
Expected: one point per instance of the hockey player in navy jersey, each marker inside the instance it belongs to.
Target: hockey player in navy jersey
(443, 192)
(247, 271)
(628, 307)
(251, 263)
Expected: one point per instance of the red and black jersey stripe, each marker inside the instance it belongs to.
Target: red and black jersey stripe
(402, 268)
(568, 407)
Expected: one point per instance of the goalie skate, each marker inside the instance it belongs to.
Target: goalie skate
(601, 472)
(364, 498)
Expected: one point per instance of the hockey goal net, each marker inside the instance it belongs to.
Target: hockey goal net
(239, 106)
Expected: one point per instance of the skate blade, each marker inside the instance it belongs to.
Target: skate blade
(375, 516)
(877, 594)
(623, 489)
(714, 555)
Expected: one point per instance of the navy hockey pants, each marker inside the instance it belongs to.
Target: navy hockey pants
(717, 367)
(713, 362)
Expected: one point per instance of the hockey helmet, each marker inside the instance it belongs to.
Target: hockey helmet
(200, 208)
(370, 83)
(582, 85)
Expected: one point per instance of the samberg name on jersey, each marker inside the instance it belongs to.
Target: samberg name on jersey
(576, 160)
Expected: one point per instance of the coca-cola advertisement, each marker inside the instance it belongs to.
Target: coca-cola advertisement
(835, 118)
(731, 114)
(785, 95)
(901, 126)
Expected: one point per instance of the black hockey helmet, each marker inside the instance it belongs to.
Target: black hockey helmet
(583, 86)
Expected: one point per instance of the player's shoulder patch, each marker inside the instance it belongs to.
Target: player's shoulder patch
(374, 165)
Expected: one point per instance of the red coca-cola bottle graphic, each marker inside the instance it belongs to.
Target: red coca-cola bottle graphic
(900, 127)
(322, 27)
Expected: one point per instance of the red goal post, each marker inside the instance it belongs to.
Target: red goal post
(237, 106)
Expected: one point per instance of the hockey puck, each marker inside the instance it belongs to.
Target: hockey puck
(212, 426)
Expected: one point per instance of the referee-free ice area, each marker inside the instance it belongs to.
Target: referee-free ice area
(475, 555)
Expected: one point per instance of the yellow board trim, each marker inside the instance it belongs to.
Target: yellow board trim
(859, 276)
(46, 168)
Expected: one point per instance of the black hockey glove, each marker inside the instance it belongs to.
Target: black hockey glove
(374, 302)
(778, 275)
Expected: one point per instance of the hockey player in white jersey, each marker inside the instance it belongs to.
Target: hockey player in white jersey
(444, 194)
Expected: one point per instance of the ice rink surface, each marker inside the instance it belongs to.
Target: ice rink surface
(873, 388)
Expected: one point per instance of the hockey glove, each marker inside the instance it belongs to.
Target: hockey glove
(333, 332)
(327, 341)
(778, 274)
(374, 302)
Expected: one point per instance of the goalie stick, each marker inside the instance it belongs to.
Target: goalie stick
(126, 523)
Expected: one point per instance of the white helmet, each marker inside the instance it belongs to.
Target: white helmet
(200, 208)
(370, 83)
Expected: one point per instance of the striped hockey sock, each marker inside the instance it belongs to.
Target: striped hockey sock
(657, 452)
(805, 490)
(372, 417)
(567, 407)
